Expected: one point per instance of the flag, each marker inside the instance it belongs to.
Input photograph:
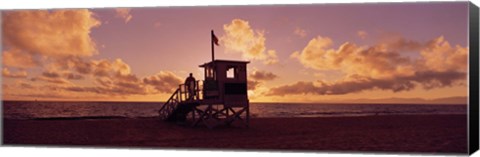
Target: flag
(215, 39)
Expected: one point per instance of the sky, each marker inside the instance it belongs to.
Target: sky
(297, 53)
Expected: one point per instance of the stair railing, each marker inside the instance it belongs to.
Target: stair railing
(180, 95)
(170, 105)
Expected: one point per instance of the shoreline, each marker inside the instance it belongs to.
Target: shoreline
(252, 117)
(334, 103)
(382, 133)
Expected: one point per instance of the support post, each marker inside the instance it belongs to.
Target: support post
(248, 115)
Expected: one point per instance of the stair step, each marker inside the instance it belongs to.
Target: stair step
(180, 113)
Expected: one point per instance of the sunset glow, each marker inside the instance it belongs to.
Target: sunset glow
(311, 53)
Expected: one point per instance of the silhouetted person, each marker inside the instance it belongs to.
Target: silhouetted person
(190, 85)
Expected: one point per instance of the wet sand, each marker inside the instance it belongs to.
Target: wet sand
(437, 134)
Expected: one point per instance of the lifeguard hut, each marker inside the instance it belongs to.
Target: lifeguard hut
(220, 99)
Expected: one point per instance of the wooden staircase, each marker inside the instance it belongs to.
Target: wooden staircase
(181, 112)
(195, 110)
(178, 106)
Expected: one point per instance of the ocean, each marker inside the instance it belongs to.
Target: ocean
(41, 109)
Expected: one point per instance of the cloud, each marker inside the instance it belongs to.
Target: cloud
(7, 73)
(362, 34)
(55, 80)
(164, 81)
(114, 87)
(272, 58)
(124, 13)
(115, 77)
(65, 75)
(401, 44)
(55, 33)
(26, 86)
(300, 87)
(258, 77)
(125, 85)
(128, 89)
(72, 76)
(15, 58)
(426, 79)
(240, 37)
(55, 76)
(58, 43)
(439, 55)
(253, 84)
(98, 68)
(300, 32)
(108, 77)
(105, 67)
(262, 75)
(316, 54)
(382, 60)
(383, 66)
(51, 74)
(112, 77)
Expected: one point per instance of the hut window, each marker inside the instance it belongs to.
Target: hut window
(209, 73)
(231, 72)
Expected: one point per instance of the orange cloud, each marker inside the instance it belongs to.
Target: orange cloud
(439, 55)
(98, 68)
(240, 37)
(15, 58)
(55, 80)
(126, 85)
(20, 74)
(316, 54)
(164, 81)
(110, 86)
(24, 85)
(73, 76)
(353, 84)
(115, 77)
(272, 58)
(258, 77)
(262, 75)
(381, 66)
(253, 84)
(59, 43)
(124, 13)
(383, 60)
(109, 78)
(66, 75)
(105, 67)
(50, 33)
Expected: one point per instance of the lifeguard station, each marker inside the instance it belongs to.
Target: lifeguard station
(220, 99)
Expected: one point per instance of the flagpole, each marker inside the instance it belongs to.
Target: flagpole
(213, 50)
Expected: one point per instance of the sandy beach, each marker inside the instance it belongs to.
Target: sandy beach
(399, 133)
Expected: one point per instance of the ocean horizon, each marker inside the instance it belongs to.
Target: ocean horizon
(104, 109)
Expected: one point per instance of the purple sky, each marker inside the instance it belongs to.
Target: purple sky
(184, 31)
(176, 39)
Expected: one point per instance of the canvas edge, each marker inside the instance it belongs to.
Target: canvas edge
(473, 119)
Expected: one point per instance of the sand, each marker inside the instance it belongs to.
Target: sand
(399, 133)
